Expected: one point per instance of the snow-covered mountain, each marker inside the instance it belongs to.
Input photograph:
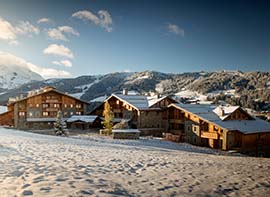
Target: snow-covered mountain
(248, 89)
(12, 76)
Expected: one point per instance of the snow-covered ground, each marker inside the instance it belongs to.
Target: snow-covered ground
(193, 96)
(40, 165)
(230, 92)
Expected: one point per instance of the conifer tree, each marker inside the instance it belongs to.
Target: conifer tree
(60, 125)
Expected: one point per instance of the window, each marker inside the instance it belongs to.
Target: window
(21, 113)
(30, 114)
(65, 105)
(37, 105)
(194, 128)
(56, 105)
(71, 105)
(45, 105)
(117, 102)
(71, 113)
(78, 113)
(45, 113)
(78, 106)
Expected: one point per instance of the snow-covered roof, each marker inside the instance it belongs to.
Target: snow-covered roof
(46, 90)
(99, 99)
(137, 101)
(152, 100)
(43, 119)
(125, 131)
(224, 111)
(83, 118)
(206, 112)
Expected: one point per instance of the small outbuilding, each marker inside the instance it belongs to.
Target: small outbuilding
(83, 122)
(126, 134)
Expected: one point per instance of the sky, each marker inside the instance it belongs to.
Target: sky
(87, 37)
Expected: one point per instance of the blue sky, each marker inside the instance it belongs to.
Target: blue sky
(72, 38)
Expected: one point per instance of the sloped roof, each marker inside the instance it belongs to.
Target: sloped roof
(43, 91)
(82, 118)
(43, 119)
(206, 113)
(139, 102)
(228, 110)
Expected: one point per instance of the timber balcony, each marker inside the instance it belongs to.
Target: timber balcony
(209, 135)
(51, 101)
(49, 109)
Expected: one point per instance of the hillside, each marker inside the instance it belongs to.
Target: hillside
(248, 89)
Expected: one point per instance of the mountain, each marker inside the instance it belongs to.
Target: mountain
(12, 76)
(248, 89)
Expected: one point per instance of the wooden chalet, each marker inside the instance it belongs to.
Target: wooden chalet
(148, 114)
(218, 127)
(38, 110)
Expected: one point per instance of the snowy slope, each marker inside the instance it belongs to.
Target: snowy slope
(83, 88)
(12, 76)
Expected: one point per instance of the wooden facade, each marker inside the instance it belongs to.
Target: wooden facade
(39, 109)
(198, 130)
(151, 119)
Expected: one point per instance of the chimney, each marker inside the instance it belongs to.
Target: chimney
(221, 111)
(125, 91)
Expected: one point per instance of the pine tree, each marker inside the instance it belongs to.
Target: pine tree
(108, 117)
(60, 125)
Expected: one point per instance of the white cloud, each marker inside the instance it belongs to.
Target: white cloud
(58, 33)
(175, 29)
(9, 32)
(13, 43)
(44, 20)
(55, 34)
(26, 28)
(103, 19)
(68, 30)
(10, 59)
(58, 50)
(65, 63)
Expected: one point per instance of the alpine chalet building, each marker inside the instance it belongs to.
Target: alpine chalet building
(38, 110)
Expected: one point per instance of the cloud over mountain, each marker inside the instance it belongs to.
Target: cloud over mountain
(65, 63)
(14, 62)
(58, 50)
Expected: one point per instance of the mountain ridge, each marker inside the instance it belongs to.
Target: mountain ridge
(251, 89)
